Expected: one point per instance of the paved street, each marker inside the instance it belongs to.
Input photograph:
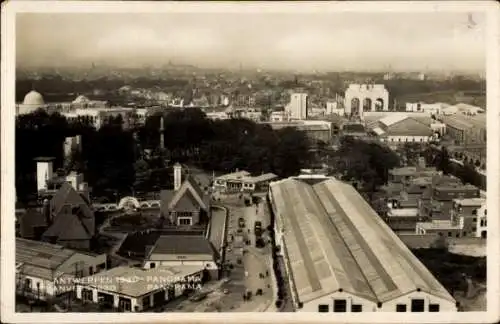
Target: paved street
(228, 296)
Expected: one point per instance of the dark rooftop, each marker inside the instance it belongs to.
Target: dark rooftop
(44, 159)
(176, 244)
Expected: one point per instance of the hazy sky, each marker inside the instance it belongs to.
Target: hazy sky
(322, 41)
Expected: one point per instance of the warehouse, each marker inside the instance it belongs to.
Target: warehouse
(341, 256)
(135, 290)
(45, 270)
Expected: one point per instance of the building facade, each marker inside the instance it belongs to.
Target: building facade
(297, 108)
(315, 217)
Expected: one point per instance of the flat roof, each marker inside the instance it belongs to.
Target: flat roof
(334, 240)
(182, 244)
(136, 282)
(438, 225)
(41, 254)
(402, 212)
(41, 259)
(234, 176)
(470, 202)
(262, 177)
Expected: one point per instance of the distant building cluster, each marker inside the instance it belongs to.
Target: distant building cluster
(423, 201)
(97, 113)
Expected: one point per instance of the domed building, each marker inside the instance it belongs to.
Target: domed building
(81, 99)
(33, 98)
(32, 101)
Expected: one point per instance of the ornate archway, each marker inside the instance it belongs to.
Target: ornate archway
(355, 106)
(367, 104)
(379, 104)
(128, 203)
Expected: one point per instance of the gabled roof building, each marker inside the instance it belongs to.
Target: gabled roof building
(187, 204)
(340, 255)
(70, 219)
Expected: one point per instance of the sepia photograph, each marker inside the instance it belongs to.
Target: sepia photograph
(246, 158)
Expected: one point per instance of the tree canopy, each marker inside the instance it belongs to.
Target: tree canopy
(113, 160)
(364, 163)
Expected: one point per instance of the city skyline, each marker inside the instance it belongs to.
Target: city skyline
(324, 41)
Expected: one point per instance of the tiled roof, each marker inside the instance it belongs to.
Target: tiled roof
(180, 244)
(72, 217)
(195, 194)
(28, 221)
(390, 120)
(408, 127)
(136, 282)
(333, 239)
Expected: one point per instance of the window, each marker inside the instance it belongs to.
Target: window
(356, 308)
(323, 308)
(87, 295)
(474, 219)
(152, 265)
(433, 307)
(91, 271)
(340, 305)
(184, 221)
(401, 308)
(417, 305)
(27, 283)
(449, 234)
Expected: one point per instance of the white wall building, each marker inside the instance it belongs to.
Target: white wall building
(297, 108)
(44, 172)
(482, 222)
(279, 116)
(340, 256)
(431, 109)
(360, 98)
(179, 250)
(32, 101)
(242, 181)
(136, 290)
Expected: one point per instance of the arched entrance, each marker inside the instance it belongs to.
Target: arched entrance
(355, 107)
(379, 104)
(367, 104)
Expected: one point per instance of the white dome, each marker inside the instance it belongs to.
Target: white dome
(81, 99)
(33, 98)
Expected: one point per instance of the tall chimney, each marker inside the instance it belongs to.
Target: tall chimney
(44, 172)
(177, 176)
(46, 212)
(162, 135)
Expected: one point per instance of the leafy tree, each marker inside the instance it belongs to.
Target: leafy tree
(443, 161)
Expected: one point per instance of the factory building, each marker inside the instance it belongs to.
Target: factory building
(340, 256)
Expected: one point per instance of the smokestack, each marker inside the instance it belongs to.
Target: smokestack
(162, 135)
(44, 172)
(177, 176)
(46, 212)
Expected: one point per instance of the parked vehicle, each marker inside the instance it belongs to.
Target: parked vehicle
(258, 228)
